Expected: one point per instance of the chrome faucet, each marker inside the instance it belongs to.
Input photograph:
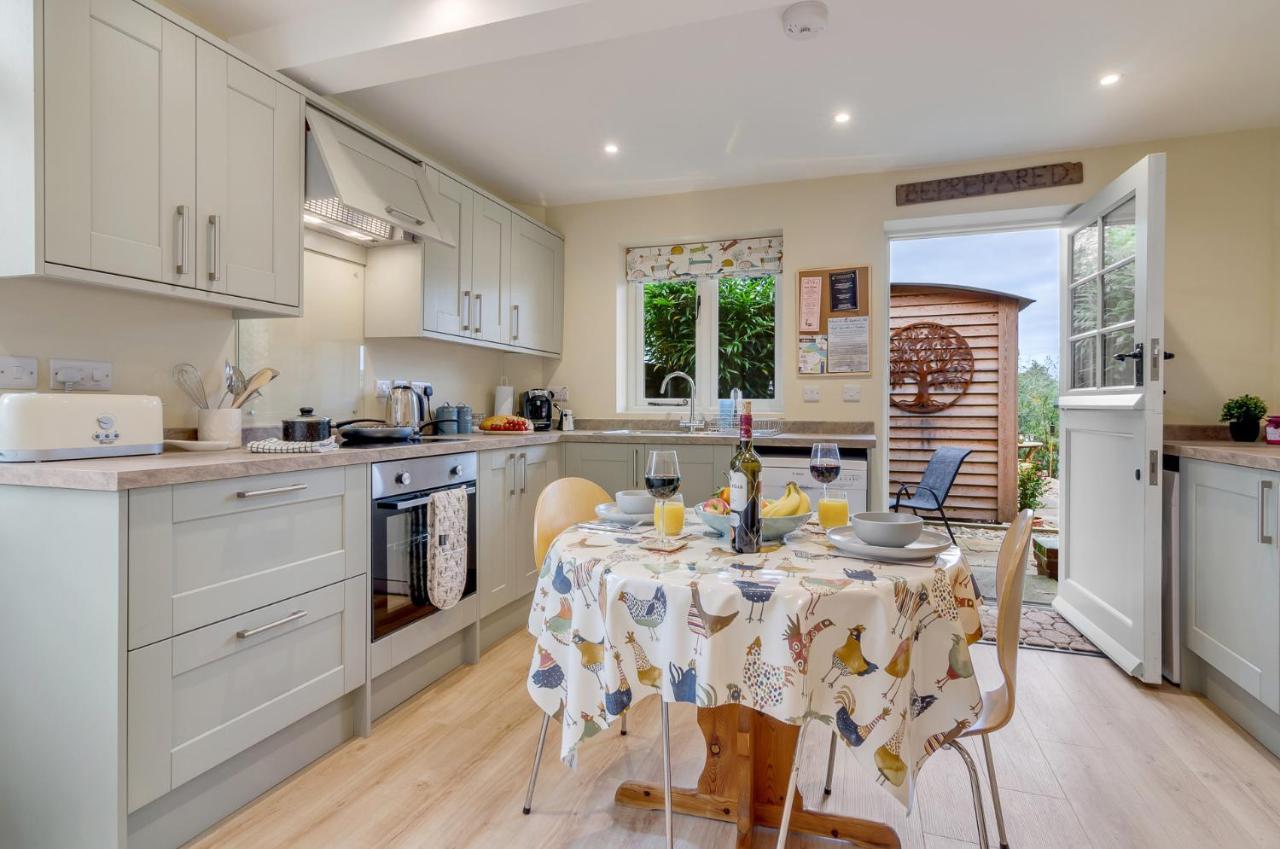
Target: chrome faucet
(693, 422)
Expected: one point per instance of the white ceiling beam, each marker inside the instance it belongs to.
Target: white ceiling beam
(361, 45)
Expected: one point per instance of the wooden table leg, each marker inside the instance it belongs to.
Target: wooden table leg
(744, 782)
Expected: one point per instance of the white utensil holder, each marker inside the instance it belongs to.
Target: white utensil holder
(220, 426)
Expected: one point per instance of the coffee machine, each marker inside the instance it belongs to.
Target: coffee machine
(535, 405)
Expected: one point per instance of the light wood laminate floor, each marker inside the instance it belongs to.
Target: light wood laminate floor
(1092, 759)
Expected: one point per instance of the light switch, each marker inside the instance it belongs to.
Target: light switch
(17, 372)
(811, 393)
(382, 388)
(851, 392)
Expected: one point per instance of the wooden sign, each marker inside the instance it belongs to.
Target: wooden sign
(992, 183)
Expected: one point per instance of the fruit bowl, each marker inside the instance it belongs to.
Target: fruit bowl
(774, 527)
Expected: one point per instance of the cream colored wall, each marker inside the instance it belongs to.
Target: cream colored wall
(1222, 267)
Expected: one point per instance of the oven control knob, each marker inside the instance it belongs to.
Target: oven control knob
(403, 478)
(455, 471)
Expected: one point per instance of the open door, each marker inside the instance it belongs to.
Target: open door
(1112, 418)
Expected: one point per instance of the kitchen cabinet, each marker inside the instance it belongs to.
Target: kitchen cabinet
(617, 466)
(490, 270)
(109, 185)
(446, 275)
(508, 486)
(248, 181)
(1230, 523)
(536, 311)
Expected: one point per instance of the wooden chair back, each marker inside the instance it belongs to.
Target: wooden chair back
(564, 502)
(1011, 569)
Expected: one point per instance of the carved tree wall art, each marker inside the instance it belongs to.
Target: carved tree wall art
(936, 360)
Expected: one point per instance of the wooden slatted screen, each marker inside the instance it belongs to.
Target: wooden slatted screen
(985, 418)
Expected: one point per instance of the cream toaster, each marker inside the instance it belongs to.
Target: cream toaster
(68, 426)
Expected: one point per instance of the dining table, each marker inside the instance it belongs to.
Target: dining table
(800, 632)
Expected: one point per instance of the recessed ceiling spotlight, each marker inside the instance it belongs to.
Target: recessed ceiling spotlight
(611, 148)
(804, 20)
(1109, 79)
(842, 117)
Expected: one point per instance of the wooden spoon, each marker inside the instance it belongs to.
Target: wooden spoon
(256, 383)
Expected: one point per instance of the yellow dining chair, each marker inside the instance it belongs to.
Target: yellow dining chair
(997, 702)
(564, 503)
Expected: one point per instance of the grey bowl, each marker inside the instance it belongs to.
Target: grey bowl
(772, 527)
(891, 530)
(635, 501)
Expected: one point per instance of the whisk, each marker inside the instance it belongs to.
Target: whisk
(189, 380)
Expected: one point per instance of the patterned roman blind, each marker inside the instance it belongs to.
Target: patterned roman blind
(729, 258)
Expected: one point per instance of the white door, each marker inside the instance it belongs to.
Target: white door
(248, 180)
(446, 277)
(119, 140)
(537, 267)
(1112, 417)
(490, 269)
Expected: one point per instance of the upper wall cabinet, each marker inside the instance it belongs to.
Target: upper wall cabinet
(105, 181)
(501, 285)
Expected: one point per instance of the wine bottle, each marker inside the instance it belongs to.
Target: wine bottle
(744, 490)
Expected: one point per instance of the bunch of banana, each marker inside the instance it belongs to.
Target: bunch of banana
(793, 502)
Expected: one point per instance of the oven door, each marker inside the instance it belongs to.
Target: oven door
(399, 530)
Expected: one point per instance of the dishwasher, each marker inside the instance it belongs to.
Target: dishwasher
(782, 464)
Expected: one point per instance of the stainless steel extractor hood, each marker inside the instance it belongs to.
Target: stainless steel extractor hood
(363, 191)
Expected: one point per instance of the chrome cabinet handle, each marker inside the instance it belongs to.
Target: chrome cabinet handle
(215, 248)
(1264, 486)
(466, 316)
(181, 266)
(511, 458)
(259, 493)
(400, 213)
(524, 473)
(515, 321)
(246, 633)
(479, 311)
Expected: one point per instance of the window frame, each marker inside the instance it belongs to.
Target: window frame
(1099, 329)
(706, 350)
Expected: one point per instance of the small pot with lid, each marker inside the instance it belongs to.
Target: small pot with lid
(306, 427)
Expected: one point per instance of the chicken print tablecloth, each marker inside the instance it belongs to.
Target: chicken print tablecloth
(879, 652)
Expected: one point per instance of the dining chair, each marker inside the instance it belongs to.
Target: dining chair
(935, 484)
(997, 702)
(563, 503)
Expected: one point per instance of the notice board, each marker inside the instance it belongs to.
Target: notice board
(833, 315)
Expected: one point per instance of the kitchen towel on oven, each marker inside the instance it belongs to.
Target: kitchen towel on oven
(447, 548)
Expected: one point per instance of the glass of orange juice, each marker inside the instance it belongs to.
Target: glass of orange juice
(833, 510)
(668, 516)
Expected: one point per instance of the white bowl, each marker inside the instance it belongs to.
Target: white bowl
(772, 527)
(634, 501)
(890, 530)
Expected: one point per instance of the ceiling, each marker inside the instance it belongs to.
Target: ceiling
(522, 95)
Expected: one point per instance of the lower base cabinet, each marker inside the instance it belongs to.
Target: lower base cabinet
(618, 466)
(508, 486)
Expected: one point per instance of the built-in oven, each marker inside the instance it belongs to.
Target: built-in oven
(400, 528)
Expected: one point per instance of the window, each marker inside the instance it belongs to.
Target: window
(710, 311)
(1101, 300)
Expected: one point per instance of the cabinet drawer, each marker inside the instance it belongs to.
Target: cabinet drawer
(200, 698)
(199, 553)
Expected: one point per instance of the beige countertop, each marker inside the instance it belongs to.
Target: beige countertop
(1255, 455)
(173, 467)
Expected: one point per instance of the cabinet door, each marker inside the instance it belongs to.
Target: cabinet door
(700, 472)
(1232, 568)
(495, 492)
(614, 466)
(447, 271)
(490, 268)
(535, 312)
(119, 140)
(248, 181)
(537, 468)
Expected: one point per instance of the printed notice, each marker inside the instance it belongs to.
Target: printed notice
(848, 345)
(813, 355)
(844, 290)
(810, 304)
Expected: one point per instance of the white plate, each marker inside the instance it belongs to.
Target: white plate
(197, 445)
(610, 513)
(928, 546)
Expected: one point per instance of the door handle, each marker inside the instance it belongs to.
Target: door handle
(479, 311)
(1264, 486)
(515, 321)
(400, 213)
(1136, 356)
(276, 490)
(215, 248)
(511, 458)
(181, 266)
(246, 633)
(524, 473)
(466, 316)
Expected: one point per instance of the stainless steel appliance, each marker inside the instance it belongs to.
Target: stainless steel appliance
(405, 407)
(535, 405)
(71, 425)
(399, 529)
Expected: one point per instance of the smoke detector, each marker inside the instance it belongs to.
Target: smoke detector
(803, 21)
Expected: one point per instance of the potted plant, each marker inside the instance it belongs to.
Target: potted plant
(1242, 415)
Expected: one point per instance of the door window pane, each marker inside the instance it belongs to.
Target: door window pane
(1084, 252)
(1119, 233)
(1083, 363)
(1117, 372)
(1117, 296)
(747, 337)
(670, 335)
(1084, 307)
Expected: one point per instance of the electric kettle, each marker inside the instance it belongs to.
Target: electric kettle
(405, 407)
